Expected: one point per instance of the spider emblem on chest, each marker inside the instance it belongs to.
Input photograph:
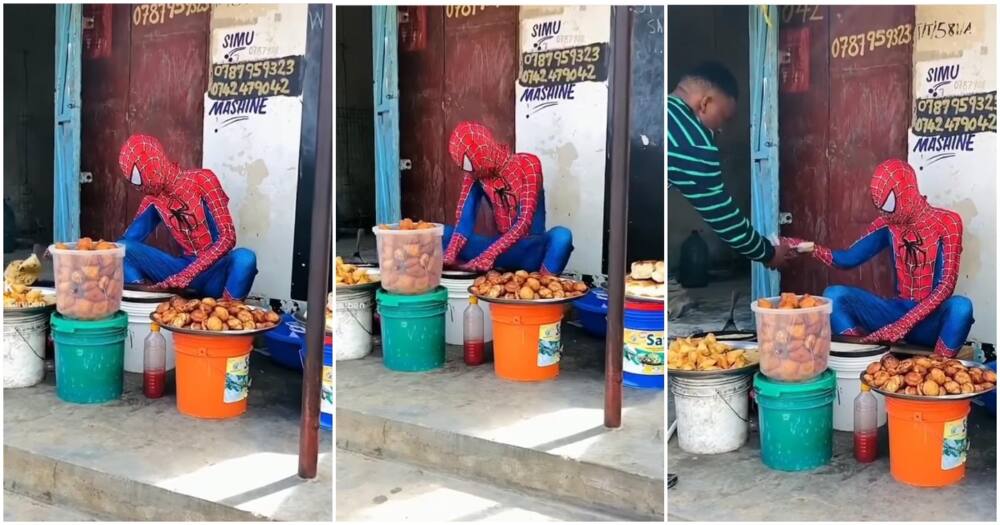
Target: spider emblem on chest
(181, 216)
(914, 250)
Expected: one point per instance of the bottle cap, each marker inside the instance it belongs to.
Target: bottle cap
(154, 328)
(865, 387)
(473, 299)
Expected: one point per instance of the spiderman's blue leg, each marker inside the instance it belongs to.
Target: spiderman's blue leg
(860, 312)
(947, 328)
(550, 251)
(233, 274)
(146, 264)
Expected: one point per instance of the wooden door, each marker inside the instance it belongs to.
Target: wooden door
(844, 107)
(464, 69)
(152, 81)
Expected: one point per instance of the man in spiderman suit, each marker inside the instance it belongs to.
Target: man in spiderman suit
(193, 207)
(926, 247)
(512, 183)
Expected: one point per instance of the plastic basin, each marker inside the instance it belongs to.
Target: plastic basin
(794, 344)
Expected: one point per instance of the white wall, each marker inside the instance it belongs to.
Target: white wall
(961, 40)
(568, 132)
(255, 153)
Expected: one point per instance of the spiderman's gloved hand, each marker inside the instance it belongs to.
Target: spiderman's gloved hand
(480, 264)
(454, 247)
(892, 333)
(819, 252)
(176, 281)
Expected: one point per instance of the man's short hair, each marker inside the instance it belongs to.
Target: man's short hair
(716, 75)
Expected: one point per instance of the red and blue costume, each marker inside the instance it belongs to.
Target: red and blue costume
(926, 244)
(193, 207)
(512, 184)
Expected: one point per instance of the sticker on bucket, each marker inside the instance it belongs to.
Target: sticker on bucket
(956, 444)
(549, 344)
(237, 379)
(643, 352)
(326, 395)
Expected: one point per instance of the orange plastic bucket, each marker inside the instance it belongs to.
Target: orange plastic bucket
(928, 441)
(213, 375)
(527, 341)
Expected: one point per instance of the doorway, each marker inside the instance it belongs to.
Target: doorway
(29, 80)
(697, 34)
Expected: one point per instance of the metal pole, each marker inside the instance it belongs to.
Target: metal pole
(320, 250)
(618, 217)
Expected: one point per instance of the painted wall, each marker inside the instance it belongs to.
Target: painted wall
(955, 157)
(251, 136)
(563, 120)
(696, 34)
(29, 80)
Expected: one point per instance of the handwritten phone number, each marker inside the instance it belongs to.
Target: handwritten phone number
(857, 45)
(978, 103)
(930, 126)
(261, 69)
(573, 56)
(543, 76)
(251, 88)
(152, 14)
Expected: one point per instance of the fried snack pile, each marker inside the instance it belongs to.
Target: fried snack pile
(705, 354)
(350, 275)
(88, 285)
(21, 296)
(646, 280)
(526, 286)
(23, 272)
(928, 376)
(214, 315)
(793, 347)
(410, 264)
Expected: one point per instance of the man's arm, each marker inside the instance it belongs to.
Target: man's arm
(217, 202)
(465, 218)
(145, 222)
(697, 173)
(875, 239)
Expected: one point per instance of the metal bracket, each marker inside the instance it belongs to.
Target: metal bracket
(784, 217)
(405, 164)
(86, 177)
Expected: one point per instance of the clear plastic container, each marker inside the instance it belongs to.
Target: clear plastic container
(89, 283)
(865, 426)
(410, 261)
(794, 343)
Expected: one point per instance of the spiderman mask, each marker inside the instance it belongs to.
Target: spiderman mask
(895, 193)
(474, 150)
(145, 165)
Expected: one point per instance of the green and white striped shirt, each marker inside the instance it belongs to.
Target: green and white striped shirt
(694, 168)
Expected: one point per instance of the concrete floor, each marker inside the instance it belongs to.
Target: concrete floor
(22, 508)
(561, 419)
(376, 490)
(710, 308)
(247, 465)
(738, 487)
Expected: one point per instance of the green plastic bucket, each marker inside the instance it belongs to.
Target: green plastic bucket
(413, 329)
(796, 421)
(89, 358)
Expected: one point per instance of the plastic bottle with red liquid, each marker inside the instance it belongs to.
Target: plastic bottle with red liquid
(865, 426)
(474, 350)
(154, 363)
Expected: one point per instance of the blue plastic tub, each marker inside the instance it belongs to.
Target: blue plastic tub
(990, 400)
(592, 310)
(326, 393)
(285, 341)
(642, 354)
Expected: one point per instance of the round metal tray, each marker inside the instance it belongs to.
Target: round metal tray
(358, 287)
(210, 333)
(522, 302)
(950, 397)
(705, 374)
(459, 274)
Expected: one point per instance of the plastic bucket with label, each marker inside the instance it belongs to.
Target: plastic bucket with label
(213, 375)
(928, 441)
(642, 352)
(527, 341)
(326, 391)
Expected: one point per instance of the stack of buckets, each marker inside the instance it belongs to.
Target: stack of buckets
(89, 352)
(795, 418)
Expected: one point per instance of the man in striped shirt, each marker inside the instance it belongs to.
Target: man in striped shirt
(702, 102)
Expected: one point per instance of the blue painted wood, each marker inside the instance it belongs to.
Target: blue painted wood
(66, 215)
(386, 88)
(764, 138)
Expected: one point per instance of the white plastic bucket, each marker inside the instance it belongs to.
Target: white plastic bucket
(24, 348)
(139, 325)
(848, 370)
(713, 415)
(352, 324)
(454, 318)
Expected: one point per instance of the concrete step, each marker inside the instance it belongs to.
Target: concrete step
(387, 491)
(544, 439)
(17, 507)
